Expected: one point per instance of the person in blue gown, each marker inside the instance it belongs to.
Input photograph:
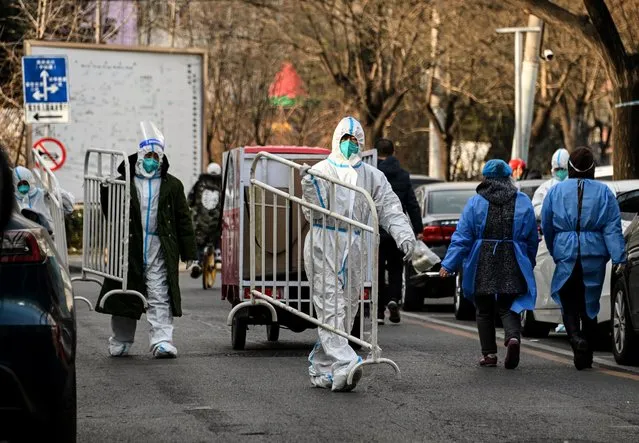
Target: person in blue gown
(496, 242)
(581, 224)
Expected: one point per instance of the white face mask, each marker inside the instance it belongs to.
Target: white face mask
(579, 170)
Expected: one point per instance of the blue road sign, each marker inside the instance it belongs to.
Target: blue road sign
(45, 84)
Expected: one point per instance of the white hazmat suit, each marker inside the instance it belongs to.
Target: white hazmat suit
(332, 358)
(159, 315)
(34, 198)
(558, 164)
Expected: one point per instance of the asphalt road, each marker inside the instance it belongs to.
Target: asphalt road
(212, 393)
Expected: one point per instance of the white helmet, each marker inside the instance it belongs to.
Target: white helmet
(560, 159)
(214, 169)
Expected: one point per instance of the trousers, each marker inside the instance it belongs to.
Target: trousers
(487, 306)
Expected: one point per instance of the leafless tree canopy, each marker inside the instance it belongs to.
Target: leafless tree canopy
(379, 60)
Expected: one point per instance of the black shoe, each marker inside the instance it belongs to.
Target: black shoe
(393, 308)
(196, 271)
(582, 355)
(380, 318)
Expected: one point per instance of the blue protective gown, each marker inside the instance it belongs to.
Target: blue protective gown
(466, 244)
(600, 239)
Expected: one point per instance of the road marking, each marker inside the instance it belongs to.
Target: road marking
(539, 350)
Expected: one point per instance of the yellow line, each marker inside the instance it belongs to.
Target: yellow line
(537, 353)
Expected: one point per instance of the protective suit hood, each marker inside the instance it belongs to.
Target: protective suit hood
(350, 126)
(559, 161)
(21, 173)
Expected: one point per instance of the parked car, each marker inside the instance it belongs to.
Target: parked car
(441, 205)
(624, 303)
(38, 330)
(547, 313)
(420, 180)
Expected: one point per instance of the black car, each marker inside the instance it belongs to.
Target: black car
(441, 205)
(624, 296)
(38, 330)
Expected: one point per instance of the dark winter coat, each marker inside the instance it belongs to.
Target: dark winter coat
(498, 271)
(177, 240)
(399, 180)
(206, 220)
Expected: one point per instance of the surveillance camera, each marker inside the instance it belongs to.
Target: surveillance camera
(548, 55)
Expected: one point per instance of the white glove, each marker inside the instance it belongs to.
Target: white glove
(407, 248)
(304, 170)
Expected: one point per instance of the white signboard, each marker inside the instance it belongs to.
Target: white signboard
(114, 89)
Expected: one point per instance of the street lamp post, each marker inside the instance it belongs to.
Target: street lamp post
(518, 150)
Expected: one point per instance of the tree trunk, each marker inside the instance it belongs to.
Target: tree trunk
(625, 124)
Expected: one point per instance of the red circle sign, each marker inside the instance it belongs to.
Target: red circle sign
(52, 152)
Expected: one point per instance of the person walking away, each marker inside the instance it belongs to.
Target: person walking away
(496, 241)
(161, 232)
(581, 223)
(332, 358)
(205, 202)
(559, 168)
(28, 195)
(390, 256)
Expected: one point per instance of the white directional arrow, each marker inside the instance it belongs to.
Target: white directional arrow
(53, 89)
(38, 95)
(44, 75)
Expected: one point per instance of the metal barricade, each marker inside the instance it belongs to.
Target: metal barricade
(49, 183)
(275, 288)
(105, 236)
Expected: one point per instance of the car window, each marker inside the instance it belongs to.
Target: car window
(448, 201)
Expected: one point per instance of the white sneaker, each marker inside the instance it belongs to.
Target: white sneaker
(118, 349)
(340, 377)
(164, 350)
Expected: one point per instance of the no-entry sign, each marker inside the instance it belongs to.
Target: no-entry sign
(52, 151)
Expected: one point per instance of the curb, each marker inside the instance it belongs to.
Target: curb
(601, 363)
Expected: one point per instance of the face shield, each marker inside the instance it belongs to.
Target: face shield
(151, 147)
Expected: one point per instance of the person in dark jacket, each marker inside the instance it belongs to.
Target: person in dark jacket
(390, 257)
(160, 233)
(496, 241)
(206, 204)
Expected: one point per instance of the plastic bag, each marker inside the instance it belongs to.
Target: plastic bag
(423, 258)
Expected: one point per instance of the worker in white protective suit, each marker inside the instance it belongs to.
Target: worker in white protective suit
(332, 358)
(559, 168)
(30, 196)
(161, 232)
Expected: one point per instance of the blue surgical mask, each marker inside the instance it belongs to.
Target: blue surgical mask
(561, 174)
(150, 165)
(23, 189)
(348, 148)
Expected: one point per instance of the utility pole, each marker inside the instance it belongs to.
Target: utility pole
(98, 21)
(529, 72)
(518, 139)
(435, 164)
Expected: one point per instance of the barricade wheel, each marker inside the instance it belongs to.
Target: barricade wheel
(209, 271)
(273, 332)
(238, 333)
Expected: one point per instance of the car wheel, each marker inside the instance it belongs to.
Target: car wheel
(273, 332)
(64, 417)
(624, 339)
(532, 328)
(238, 333)
(464, 309)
